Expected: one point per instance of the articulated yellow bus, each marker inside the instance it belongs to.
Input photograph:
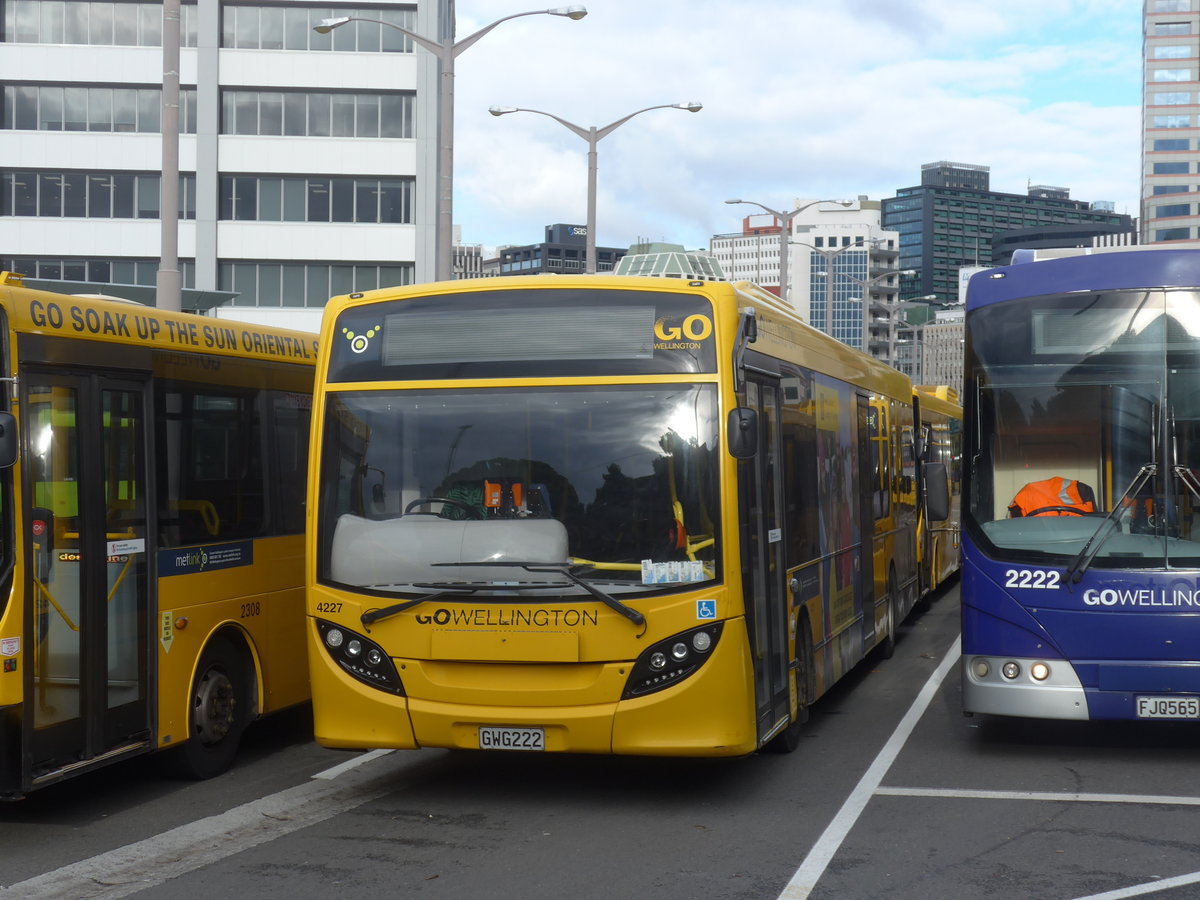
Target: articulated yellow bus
(598, 515)
(151, 533)
(940, 416)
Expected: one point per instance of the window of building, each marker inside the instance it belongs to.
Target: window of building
(305, 284)
(1172, 234)
(1171, 122)
(1170, 168)
(122, 195)
(1172, 51)
(1172, 209)
(1169, 6)
(45, 107)
(1171, 75)
(99, 23)
(1172, 98)
(1172, 144)
(1170, 28)
(1170, 189)
(102, 271)
(317, 114)
(291, 28)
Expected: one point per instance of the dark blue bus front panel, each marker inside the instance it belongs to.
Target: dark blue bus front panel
(1101, 644)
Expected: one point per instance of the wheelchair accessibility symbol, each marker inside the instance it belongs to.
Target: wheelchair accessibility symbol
(706, 609)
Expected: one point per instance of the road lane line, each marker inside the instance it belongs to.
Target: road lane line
(144, 864)
(1150, 887)
(1156, 799)
(827, 844)
(361, 759)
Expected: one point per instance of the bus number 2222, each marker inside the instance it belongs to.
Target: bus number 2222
(1037, 579)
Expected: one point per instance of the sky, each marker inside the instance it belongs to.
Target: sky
(803, 99)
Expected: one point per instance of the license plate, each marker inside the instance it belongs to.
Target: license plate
(491, 738)
(1168, 707)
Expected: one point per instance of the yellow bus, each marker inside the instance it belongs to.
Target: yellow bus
(596, 515)
(940, 417)
(151, 533)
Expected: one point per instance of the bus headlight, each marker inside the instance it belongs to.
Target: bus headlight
(1039, 671)
(670, 661)
(360, 657)
(1010, 670)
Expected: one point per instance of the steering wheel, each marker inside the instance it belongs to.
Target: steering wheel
(1059, 509)
(472, 512)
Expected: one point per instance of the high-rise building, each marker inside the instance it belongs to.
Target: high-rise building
(844, 275)
(842, 272)
(306, 160)
(947, 222)
(1170, 121)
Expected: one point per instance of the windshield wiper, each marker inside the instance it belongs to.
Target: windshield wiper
(564, 569)
(371, 616)
(1083, 559)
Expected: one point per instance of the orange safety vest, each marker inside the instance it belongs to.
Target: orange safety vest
(1035, 497)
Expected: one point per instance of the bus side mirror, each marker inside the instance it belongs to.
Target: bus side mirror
(937, 492)
(8, 440)
(743, 432)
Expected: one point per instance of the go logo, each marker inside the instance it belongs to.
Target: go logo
(694, 328)
(360, 342)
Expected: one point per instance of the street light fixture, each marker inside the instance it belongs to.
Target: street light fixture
(786, 235)
(446, 52)
(593, 135)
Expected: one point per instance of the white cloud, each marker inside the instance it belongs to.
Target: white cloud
(802, 99)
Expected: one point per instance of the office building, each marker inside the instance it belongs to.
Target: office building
(751, 254)
(948, 221)
(1170, 121)
(306, 161)
(563, 251)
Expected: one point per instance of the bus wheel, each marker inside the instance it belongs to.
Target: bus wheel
(789, 739)
(887, 646)
(217, 713)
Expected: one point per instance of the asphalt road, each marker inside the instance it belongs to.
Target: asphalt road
(893, 794)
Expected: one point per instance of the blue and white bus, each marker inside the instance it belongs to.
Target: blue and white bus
(1081, 514)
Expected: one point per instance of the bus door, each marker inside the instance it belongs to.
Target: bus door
(88, 687)
(763, 566)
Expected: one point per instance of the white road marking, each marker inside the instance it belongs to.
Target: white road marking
(135, 867)
(1150, 887)
(361, 759)
(1038, 795)
(827, 844)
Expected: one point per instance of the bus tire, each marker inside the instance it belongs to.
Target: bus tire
(218, 711)
(789, 739)
(887, 647)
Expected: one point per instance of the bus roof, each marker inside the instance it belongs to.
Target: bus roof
(32, 311)
(1150, 268)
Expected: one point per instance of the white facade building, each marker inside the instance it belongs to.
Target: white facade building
(751, 254)
(306, 161)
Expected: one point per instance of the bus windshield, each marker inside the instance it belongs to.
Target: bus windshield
(617, 484)
(1088, 413)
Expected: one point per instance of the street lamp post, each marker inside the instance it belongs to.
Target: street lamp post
(785, 237)
(593, 136)
(446, 53)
